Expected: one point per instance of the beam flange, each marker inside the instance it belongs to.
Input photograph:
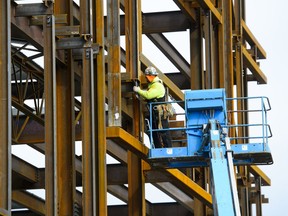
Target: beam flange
(251, 39)
(250, 63)
(190, 187)
(207, 5)
(29, 200)
(186, 7)
(27, 10)
(256, 171)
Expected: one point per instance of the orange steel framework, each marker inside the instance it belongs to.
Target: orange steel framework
(83, 59)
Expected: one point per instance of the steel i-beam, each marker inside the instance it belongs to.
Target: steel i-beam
(5, 109)
(114, 75)
(66, 186)
(99, 70)
(50, 115)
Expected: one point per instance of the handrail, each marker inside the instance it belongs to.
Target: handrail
(265, 128)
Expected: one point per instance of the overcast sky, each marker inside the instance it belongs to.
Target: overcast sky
(268, 22)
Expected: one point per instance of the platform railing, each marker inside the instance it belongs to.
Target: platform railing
(259, 132)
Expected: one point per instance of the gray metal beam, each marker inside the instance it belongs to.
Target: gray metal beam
(171, 53)
(29, 10)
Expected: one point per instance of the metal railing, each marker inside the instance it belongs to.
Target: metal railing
(258, 132)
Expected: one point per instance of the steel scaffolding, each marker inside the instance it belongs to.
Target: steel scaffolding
(80, 94)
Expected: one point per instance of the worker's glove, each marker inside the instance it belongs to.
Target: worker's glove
(136, 88)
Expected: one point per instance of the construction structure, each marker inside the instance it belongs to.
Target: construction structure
(78, 93)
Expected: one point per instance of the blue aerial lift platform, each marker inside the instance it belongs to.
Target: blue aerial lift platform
(208, 145)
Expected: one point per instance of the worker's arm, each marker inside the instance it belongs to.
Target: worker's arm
(156, 90)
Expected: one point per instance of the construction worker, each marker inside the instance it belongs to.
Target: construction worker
(155, 93)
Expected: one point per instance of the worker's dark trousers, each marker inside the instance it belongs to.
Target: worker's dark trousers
(161, 138)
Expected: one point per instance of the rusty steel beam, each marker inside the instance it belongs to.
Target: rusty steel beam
(88, 114)
(256, 171)
(184, 183)
(187, 9)
(253, 42)
(114, 77)
(27, 199)
(228, 49)
(100, 107)
(177, 194)
(50, 115)
(209, 54)
(208, 5)
(171, 53)
(132, 37)
(5, 109)
(196, 57)
(239, 66)
(66, 184)
(221, 55)
(136, 185)
(26, 170)
(250, 63)
(136, 181)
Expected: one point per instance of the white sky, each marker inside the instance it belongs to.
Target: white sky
(268, 22)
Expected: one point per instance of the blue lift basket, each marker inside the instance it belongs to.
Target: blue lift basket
(206, 116)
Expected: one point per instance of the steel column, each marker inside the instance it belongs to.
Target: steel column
(114, 64)
(258, 195)
(136, 194)
(239, 64)
(5, 109)
(199, 207)
(209, 60)
(65, 124)
(99, 71)
(196, 56)
(133, 37)
(221, 56)
(239, 76)
(136, 181)
(133, 32)
(228, 57)
(89, 177)
(50, 115)
(228, 52)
